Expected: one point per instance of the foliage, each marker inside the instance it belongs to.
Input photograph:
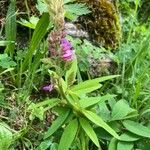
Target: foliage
(5, 136)
(72, 10)
(48, 102)
(6, 62)
(10, 27)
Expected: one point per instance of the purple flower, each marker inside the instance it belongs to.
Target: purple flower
(66, 48)
(48, 88)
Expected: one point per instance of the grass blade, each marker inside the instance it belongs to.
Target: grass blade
(10, 27)
(39, 33)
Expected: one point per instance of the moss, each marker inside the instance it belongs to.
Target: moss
(103, 23)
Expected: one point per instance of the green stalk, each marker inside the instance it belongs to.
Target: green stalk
(28, 13)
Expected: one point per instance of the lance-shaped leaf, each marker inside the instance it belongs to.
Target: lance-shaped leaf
(89, 131)
(57, 123)
(99, 121)
(91, 101)
(128, 136)
(137, 128)
(68, 135)
(90, 85)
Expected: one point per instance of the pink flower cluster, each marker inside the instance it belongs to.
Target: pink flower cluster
(66, 48)
(57, 40)
(54, 41)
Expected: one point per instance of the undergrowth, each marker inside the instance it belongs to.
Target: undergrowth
(62, 91)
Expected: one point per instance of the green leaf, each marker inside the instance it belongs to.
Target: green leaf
(57, 123)
(6, 43)
(6, 61)
(98, 121)
(54, 146)
(102, 133)
(86, 89)
(37, 110)
(90, 85)
(45, 145)
(121, 110)
(125, 145)
(31, 23)
(137, 128)
(104, 112)
(5, 137)
(91, 101)
(49, 102)
(76, 10)
(10, 27)
(41, 6)
(89, 131)
(71, 73)
(129, 137)
(39, 33)
(68, 135)
(113, 144)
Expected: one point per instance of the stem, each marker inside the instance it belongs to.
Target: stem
(28, 13)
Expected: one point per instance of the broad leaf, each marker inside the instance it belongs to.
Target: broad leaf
(113, 144)
(89, 131)
(98, 121)
(90, 85)
(45, 145)
(102, 133)
(122, 110)
(41, 6)
(137, 128)
(54, 146)
(73, 11)
(104, 112)
(88, 102)
(68, 135)
(57, 123)
(5, 137)
(129, 137)
(125, 145)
